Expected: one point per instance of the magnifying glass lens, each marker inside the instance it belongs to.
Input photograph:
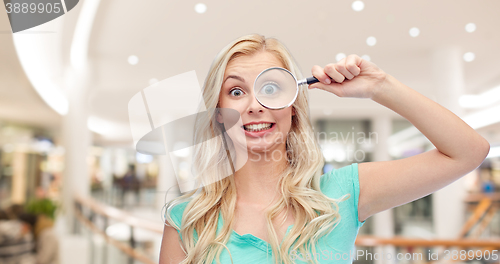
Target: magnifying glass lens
(275, 88)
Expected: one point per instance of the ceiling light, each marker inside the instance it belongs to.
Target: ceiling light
(366, 57)
(483, 118)
(475, 120)
(358, 5)
(143, 158)
(484, 99)
(133, 60)
(200, 8)
(339, 56)
(469, 56)
(371, 41)
(471, 27)
(414, 32)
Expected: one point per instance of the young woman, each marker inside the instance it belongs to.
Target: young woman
(279, 208)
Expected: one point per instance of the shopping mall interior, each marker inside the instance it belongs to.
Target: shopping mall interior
(71, 171)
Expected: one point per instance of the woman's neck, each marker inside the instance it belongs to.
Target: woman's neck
(257, 181)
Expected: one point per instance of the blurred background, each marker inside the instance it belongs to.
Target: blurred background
(74, 190)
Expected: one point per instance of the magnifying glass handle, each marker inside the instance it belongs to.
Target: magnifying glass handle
(312, 80)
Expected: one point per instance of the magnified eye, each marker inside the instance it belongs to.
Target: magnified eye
(236, 92)
(270, 88)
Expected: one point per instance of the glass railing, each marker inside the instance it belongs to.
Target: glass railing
(115, 235)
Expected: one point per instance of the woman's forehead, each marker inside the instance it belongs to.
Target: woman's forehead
(249, 64)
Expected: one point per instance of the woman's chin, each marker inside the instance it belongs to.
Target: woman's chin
(261, 149)
(258, 150)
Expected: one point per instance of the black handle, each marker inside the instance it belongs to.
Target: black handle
(312, 80)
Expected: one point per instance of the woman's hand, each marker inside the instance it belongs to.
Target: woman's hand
(352, 77)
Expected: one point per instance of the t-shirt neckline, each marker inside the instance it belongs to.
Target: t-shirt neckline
(251, 239)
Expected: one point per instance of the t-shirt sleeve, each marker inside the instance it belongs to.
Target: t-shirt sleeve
(176, 214)
(339, 182)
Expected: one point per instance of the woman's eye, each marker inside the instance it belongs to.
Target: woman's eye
(236, 92)
(269, 89)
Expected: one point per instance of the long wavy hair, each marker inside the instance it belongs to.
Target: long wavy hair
(299, 184)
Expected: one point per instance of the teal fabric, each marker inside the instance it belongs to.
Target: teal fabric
(336, 247)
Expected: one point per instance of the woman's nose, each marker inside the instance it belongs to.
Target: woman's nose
(254, 106)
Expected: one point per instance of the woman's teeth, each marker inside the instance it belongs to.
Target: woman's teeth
(257, 127)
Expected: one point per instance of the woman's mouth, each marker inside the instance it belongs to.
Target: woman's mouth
(258, 130)
(258, 127)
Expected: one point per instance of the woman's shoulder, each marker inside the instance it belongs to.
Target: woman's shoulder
(343, 181)
(340, 181)
(176, 212)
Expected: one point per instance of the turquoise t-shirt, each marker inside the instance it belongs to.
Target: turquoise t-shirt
(250, 249)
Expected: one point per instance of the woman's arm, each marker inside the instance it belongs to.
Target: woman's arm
(171, 252)
(386, 184)
(459, 150)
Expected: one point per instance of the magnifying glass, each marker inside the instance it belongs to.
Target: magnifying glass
(277, 88)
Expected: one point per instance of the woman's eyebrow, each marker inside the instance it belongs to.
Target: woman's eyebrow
(239, 78)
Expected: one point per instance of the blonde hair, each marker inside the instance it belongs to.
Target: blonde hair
(315, 214)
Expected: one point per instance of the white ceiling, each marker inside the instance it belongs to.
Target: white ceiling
(170, 38)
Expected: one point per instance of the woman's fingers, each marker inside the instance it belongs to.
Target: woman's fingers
(347, 68)
(331, 70)
(320, 74)
(363, 76)
(352, 63)
(341, 68)
(335, 88)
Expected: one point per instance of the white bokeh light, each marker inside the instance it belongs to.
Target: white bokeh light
(143, 158)
(371, 41)
(339, 56)
(414, 32)
(358, 5)
(471, 27)
(133, 60)
(366, 57)
(469, 56)
(200, 8)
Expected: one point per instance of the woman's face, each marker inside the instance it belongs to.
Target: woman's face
(264, 129)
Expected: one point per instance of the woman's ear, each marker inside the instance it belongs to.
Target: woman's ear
(219, 117)
(293, 111)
